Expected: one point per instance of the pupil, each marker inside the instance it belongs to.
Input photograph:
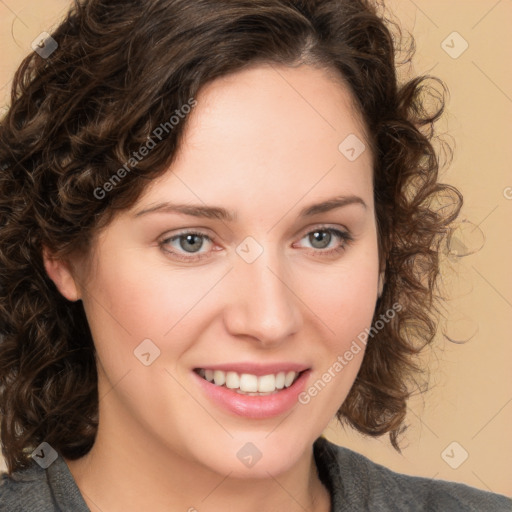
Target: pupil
(321, 236)
(191, 238)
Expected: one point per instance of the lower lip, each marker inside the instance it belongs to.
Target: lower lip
(255, 407)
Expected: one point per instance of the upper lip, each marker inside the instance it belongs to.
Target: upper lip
(256, 368)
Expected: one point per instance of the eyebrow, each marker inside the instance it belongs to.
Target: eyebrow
(217, 212)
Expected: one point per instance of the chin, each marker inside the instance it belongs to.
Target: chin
(256, 455)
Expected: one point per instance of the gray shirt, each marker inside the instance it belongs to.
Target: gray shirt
(355, 483)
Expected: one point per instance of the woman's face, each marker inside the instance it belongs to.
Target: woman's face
(261, 290)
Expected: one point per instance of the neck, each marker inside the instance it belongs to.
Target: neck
(119, 474)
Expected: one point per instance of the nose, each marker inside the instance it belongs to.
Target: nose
(264, 305)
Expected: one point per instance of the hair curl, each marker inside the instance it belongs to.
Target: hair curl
(77, 116)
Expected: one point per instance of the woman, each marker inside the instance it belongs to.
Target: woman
(206, 209)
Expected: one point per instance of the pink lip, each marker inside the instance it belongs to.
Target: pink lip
(257, 369)
(254, 407)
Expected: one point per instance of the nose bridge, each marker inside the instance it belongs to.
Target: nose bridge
(265, 306)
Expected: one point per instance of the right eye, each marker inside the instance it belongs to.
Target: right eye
(186, 242)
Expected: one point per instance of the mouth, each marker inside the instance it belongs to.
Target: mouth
(250, 384)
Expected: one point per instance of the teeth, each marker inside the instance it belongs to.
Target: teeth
(219, 378)
(290, 376)
(267, 383)
(280, 377)
(247, 383)
(232, 380)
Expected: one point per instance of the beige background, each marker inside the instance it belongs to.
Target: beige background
(470, 402)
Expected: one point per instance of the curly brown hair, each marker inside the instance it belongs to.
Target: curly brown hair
(77, 115)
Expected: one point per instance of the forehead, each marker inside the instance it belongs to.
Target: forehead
(269, 133)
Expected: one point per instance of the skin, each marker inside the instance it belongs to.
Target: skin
(264, 143)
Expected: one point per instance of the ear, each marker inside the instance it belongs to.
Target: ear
(60, 273)
(381, 283)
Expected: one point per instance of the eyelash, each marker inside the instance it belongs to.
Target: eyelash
(342, 235)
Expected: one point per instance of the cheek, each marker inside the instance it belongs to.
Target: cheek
(130, 300)
(346, 296)
(346, 309)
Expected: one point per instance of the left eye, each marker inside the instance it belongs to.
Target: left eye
(324, 236)
(187, 245)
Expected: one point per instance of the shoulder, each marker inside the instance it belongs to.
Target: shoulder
(361, 482)
(26, 489)
(35, 489)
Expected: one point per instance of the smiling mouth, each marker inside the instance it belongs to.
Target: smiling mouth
(250, 384)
